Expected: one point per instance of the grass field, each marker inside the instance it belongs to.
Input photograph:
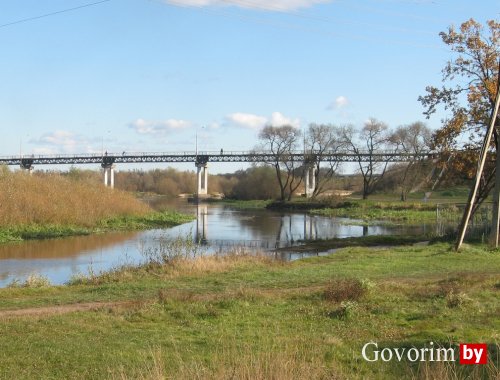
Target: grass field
(249, 317)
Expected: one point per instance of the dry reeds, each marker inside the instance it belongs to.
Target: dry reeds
(345, 289)
(54, 199)
(214, 264)
(453, 371)
(292, 360)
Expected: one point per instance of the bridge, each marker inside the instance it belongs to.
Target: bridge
(201, 160)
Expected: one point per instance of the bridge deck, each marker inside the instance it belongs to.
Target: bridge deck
(203, 157)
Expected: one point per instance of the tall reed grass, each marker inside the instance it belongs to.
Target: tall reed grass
(294, 360)
(53, 199)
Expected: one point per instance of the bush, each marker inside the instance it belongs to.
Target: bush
(346, 310)
(457, 300)
(345, 290)
(33, 281)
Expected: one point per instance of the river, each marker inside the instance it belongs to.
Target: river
(217, 228)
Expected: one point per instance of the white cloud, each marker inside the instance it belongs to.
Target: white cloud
(276, 5)
(214, 125)
(44, 151)
(61, 141)
(146, 127)
(256, 122)
(246, 120)
(339, 103)
(278, 119)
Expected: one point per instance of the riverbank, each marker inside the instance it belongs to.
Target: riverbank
(324, 245)
(366, 210)
(251, 204)
(248, 317)
(52, 205)
(124, 223)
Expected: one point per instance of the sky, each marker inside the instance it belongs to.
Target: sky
(87, 76)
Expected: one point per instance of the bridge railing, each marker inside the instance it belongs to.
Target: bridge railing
(193, 156)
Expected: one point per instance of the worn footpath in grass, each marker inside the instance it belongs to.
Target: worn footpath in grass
(249, 317)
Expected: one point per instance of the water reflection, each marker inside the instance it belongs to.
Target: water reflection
(59, 259)
(201, 224)
(61, 248)
(217, 228)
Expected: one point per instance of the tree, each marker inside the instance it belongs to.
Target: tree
(281, 141)
(256, 182)
(413, 139)
(373, 138)
(470, 84)
(323, 139)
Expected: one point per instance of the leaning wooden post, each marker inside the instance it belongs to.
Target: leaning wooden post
(479, 172)
(495, 223)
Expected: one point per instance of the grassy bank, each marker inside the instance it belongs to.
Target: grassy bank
(122, 223)
(323, 245)
(254, 318)
(50, 205)
(367, 210)
(251, 204)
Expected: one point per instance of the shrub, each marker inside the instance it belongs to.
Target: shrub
(33, 281)
(346, 310)
(457, 300)
(345, 290)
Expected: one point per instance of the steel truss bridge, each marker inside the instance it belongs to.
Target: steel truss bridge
(202, 158)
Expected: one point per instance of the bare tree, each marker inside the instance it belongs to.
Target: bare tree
(414, 140)
(373, 138)
(323, 139)
(281, 142)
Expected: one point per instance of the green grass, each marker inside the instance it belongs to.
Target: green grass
(250, 317)
(368, 210)
(323, 245)
(245, 204)
(48, 231)
(457, 194)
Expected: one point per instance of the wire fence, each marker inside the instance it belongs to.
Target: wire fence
(449, 216)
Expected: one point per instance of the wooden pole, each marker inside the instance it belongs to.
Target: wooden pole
(495, 223)
(479, 172)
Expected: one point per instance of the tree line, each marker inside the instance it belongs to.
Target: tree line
(322, 140)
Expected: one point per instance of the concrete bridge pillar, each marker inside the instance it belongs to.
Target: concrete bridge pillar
(109, 176)
(29, 169)
(108, 165)
(310, 181)
(202, 176)
(27, 164)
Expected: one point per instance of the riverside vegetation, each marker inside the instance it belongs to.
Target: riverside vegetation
(250, 317)
(34, 207)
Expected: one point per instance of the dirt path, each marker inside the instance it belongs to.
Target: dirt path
(69, 308)
(44, 311)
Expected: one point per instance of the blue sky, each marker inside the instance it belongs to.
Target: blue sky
(150, 75)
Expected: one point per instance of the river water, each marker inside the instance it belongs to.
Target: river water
(217, 228)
